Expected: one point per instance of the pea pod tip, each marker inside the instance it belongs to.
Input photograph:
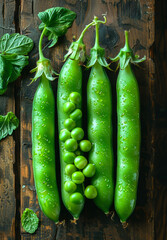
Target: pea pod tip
(110, 214)
(124, 224)
(74, 221)
(60, 223)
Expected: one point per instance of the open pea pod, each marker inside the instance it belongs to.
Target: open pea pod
(70, 91)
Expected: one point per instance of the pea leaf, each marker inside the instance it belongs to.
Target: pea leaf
(18, 62)
(29, 221)
(5, 74)
(13, 49)
(56, 21)
(15, 44)
(8, 123)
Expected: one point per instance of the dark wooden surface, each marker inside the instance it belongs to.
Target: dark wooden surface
(148, 26)
(7, 146)
(160, 119)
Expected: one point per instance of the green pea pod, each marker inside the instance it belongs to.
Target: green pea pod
(55, 23)
(99, 107)
(128, 135)
(43, 149)
(43, 139)
(70, 80)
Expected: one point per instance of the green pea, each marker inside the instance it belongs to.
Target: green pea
(64, 135)
(90, 192)
(68, 107)
(75, 97)
(71, 145)
(69, 157)
(77, 133)
(70, 186)
(78, 177)
(69, 124)
(70, 169)
(80, 162)
(76, 114)
(89, 170)
(85, 145)
(77, 198)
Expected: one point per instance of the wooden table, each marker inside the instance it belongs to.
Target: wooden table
(145, 19)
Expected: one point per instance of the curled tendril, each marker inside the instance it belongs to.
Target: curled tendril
(96, 21)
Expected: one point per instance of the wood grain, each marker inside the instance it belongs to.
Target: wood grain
(7, 145)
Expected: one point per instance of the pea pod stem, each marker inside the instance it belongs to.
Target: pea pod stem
(126, 55)
(97, 53)
(97, 36)
(96, 23)
(80, 39)
(93, 23)
(127, 47)
(41, 56)
(43, 64)
(77, 50)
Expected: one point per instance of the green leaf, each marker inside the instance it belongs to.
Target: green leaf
(29, 221)
(6, 69)
(15, 44)
(12, 60)
(18, 62)
(8, 123)
(55, 39)
(56, 21)
(10, 69)
(2, 91)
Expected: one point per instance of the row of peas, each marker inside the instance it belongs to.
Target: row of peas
(77, 165)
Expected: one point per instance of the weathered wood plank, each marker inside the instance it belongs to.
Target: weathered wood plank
(160, 56)
(138, 16)
(160, 195)
(7, 145)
